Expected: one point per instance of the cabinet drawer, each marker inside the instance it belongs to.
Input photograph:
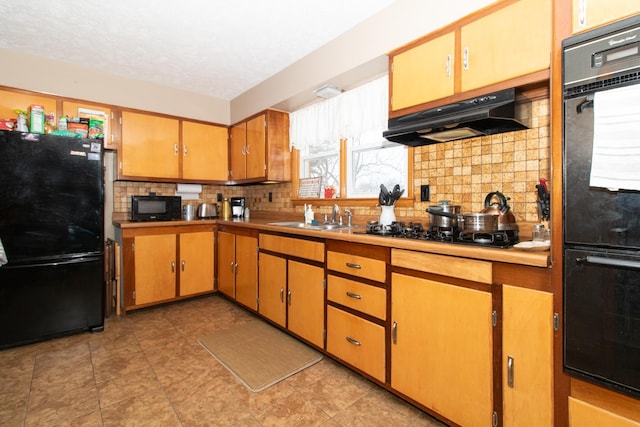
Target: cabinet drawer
(356, 265)
(290, 246)
(359, 296)
(461, 268)
(356, 341)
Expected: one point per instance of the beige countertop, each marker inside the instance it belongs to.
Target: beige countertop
(357, 234)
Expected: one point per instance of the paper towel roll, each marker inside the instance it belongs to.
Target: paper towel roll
(189, 188)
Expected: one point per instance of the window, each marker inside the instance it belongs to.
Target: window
(340, 139)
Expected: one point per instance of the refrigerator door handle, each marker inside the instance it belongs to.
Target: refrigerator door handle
(613, 262)
(55, 263)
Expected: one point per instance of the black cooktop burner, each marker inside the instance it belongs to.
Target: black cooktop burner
(414, 230)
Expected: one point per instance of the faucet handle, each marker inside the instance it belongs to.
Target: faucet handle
(349, 215)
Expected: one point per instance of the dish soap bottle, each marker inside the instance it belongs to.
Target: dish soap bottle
(308, 215)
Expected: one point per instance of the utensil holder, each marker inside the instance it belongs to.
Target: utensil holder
(387, 216)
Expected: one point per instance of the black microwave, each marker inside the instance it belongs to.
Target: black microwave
(155, 208)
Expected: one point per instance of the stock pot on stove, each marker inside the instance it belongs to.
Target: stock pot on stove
(442, 221)
(471, 222)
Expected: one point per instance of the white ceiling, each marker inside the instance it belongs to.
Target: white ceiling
(219, 48)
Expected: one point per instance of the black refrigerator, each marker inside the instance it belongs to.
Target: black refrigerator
(51, 236)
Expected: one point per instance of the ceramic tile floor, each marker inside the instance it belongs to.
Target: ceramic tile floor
(147, 368)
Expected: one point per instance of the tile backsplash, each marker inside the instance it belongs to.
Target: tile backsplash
(463, 172)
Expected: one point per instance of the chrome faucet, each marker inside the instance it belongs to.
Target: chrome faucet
(349, 215)
(335, 211)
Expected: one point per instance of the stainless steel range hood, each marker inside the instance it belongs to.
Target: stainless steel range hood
(484, 115)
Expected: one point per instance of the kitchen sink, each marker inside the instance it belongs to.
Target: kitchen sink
(304, 226)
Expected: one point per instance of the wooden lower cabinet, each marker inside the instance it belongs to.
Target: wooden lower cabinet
(291, 292)
(357, 341)
(197, 253)
(527, 351)
(238, 267)
(155, 268)
(441, 350)
(583, 413)
(163, 264)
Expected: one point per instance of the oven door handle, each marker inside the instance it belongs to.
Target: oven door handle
(587, 103)
(613, 262)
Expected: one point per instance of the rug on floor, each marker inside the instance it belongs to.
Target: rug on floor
(258, 354)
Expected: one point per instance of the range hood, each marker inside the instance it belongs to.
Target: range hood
(484, 115)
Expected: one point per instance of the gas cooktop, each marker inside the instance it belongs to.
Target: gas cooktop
(416, 231)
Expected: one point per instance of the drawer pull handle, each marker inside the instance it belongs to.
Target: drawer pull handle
(289, 296)
(352, 265)
(353, 341)
(352, 295)
(510, 367)
(281, 294)
(182, 264)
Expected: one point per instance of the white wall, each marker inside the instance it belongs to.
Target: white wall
(42, 75)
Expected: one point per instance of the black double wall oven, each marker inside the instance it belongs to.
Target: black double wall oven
(601, 242)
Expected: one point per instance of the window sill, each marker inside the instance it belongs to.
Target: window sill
(403, 202)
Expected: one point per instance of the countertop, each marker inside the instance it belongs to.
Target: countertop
(357, 234)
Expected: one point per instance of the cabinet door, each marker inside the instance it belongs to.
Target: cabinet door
(226, 263)
(204, 152)
(196, 262)
(75, 109)
(237, 147)
(247, 271)
(256, 146)
(582, 413)
(423, 73)
(592, 13)
(527, 344)
(441, 351)
(155, 268)
(272, 288)
(10, 101)
(356, 341)
(511, 42)
(306, 302)
(149, 146)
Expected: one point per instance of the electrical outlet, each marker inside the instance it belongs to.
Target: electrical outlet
(424, 193)
(219, 197)
(270, 196)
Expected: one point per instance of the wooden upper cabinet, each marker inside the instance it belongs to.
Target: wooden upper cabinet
(111, 133)
(259, 148)
(10, 101)
(423, 73)
(237, 147)
(511, 42)
(204, 152)
(150, 146)
(588, 14)
(255, 153)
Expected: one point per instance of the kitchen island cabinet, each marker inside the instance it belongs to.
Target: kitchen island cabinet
(291, 285)
(161, 264)
(588, 14)
(238, 265)
(442, 336)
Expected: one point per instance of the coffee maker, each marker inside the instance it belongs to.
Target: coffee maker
(237, 207)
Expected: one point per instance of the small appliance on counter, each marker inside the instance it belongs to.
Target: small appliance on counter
(207, 210)
(237, 207)
(156, 208)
